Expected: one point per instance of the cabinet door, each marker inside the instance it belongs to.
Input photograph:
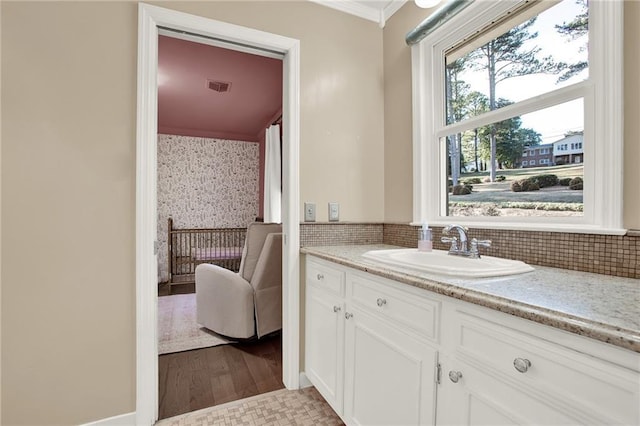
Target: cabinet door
(389, 375)
(468, 395)
(324, 348)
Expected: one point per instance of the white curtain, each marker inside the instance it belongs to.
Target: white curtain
(272, 175)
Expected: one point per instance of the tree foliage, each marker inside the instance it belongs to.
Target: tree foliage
(511, 139)
(503, 58)
(573, 30)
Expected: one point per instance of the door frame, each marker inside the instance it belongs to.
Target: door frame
(149, 19)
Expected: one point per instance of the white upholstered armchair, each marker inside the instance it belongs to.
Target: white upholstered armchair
(249, 302)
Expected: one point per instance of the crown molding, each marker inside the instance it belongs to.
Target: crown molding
(369, 12)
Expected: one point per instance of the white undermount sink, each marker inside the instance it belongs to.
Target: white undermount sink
(441, 262)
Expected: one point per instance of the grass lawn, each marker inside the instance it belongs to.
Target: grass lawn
(499, 193)
(569, 170)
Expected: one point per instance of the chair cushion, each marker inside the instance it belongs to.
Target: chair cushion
(256, 234)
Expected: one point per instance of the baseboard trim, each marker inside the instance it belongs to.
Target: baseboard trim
(304, 381)
(128, 419)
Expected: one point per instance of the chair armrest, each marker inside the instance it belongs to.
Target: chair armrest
(224, 301)
(207, 274)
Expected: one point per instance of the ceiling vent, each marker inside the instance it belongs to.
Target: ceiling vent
(219, 86)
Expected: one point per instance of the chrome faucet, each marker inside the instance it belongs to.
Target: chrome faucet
(462, 249)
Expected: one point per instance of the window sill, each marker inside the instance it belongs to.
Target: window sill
(540, 227)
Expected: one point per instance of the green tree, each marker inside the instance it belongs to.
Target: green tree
(456, 111)
(476, 104)
(510, 138)
(574, 30)
(506, 57)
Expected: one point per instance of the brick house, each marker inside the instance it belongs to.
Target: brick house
(538, 156)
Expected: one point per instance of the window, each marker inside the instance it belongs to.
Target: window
(532, 162)
(463, 113)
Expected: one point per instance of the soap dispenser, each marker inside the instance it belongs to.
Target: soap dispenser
(424, 240)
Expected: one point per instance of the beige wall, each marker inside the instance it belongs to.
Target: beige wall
(631, 114)
(68, 182)
(68, 175)
(398, 122)
(398, 155)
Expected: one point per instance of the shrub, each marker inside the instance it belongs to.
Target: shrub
(576, 183)
(490, 210)
(500, 178)
(461, 190)
(525, 185)
(564, 181)
(472, 181)
(545, 181)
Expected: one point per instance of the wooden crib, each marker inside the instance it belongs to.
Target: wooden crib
(190, 247)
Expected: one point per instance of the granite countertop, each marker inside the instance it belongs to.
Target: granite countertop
(601, 307)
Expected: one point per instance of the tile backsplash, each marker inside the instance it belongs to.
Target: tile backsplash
(333, 234)
(602, 254)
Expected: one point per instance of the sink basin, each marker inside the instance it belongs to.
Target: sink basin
(441, 262)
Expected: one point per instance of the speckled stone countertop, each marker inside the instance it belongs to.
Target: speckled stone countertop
(601, 307)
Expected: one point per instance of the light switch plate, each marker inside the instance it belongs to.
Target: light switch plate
(334, 212)
(309, 212)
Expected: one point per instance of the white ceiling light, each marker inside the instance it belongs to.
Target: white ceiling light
(425, 4)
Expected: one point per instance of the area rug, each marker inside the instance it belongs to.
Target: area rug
(177, 327)
(304, 407)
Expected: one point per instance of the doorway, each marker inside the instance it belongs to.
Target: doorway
(150, 19)
(214, 107)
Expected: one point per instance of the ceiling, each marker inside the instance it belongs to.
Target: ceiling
(186, 105)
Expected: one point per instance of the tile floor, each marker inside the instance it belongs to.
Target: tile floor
(304, 407)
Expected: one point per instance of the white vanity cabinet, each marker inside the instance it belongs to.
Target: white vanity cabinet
(505, 370)
(324, 328)
(390, 356)
(386, 353)
(363, 350)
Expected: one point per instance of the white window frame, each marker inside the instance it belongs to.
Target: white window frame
(525, 163)
(603, 119)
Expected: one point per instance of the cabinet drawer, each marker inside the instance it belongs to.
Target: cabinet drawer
(325, 277)
(410, 310)
(581, 381)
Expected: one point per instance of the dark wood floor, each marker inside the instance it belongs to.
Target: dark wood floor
(201, 378)
(165, 289)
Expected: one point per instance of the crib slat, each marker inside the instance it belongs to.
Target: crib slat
(187, 248)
